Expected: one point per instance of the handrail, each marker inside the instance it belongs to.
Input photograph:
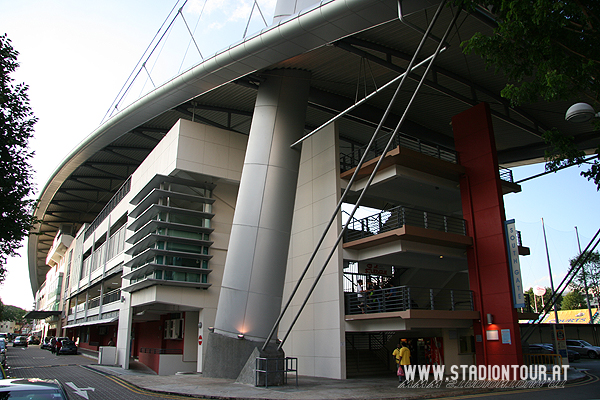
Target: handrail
(149, 350)
(402, 298)
(397, 217)
(506, 175)
(110, 205)
(350, 160)
(282, 366)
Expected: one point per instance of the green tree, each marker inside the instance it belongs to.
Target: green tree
(543, 301)
(16, 128)
(573, 300)
(548, 49)
(592, 275)
(13, 313)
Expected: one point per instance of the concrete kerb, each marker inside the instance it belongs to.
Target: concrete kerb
(309, 388)
(197, 385)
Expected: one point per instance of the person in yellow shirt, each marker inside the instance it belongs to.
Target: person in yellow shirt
(402, 359)
(396, 355)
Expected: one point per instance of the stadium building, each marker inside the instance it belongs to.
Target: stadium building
(182, 226)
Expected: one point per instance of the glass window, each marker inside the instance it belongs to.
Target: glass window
(179, 276)
(185, 247)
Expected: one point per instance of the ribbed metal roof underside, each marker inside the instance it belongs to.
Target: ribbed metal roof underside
(341, 73)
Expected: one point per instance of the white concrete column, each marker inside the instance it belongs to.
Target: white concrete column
(124, 331)
(254, 272)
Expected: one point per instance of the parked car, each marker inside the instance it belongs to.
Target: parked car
(539, 349)
(46, 343)
(572, 355)
(61, 338)
(33, 340)
(32, 388)
(583, 348)
(68, 347)
(3, 353)
(20, 341)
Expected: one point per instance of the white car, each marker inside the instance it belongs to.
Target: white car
(20, 341)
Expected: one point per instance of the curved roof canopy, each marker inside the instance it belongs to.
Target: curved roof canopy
(351, 47)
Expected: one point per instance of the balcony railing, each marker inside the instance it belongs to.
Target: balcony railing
(506, 175)
(112, 203)
(402, 298)
(111, 297)
(116, 243)
(397, 217)
(93, 303)
(349, 161)
(98, 258)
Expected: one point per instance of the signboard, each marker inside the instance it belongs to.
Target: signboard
(561, 342)
(514, 264)
(369, 268)
(505, 336)
(580, 316)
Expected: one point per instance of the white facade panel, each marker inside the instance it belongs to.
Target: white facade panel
(317, 339)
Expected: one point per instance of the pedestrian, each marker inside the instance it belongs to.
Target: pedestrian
(53, 345)
(404, 361)
(361, 295)
(396, 355)
(58, 347)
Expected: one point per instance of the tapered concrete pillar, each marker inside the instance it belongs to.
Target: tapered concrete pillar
(287, 8)
(254, 273)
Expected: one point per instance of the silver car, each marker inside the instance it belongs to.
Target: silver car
(32, 389)
(3, 352)
(583, 348)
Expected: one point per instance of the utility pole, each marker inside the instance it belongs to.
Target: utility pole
(550, 272)
(587, 294)
(560, 343)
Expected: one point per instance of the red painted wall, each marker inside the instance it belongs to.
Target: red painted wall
(483, 209)
(151, 335)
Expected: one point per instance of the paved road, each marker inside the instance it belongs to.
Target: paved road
(80, 382)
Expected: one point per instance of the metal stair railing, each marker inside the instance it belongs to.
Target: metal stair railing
(397, 217)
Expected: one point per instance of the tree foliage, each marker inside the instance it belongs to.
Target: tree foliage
(13, 313)
(548, 49)
(16, 128)
(592, 275)
(573, 300)
(542, 301)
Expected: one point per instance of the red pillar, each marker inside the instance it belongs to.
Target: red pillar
(483, 209)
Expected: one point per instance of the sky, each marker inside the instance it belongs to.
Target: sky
(77, 55)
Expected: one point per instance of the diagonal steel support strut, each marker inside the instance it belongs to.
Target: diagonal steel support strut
(338, 207)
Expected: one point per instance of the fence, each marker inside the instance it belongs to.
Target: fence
(397, 217)
(545, 359)
(349, 161)
(402, 298)
(265, 368)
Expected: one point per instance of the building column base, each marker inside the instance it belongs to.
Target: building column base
(233, 358)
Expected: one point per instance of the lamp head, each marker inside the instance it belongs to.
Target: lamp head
(580, 112)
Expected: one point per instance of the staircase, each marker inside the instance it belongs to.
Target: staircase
(368, 355)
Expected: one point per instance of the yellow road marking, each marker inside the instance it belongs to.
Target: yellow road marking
(592, 379)
(145, 392)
